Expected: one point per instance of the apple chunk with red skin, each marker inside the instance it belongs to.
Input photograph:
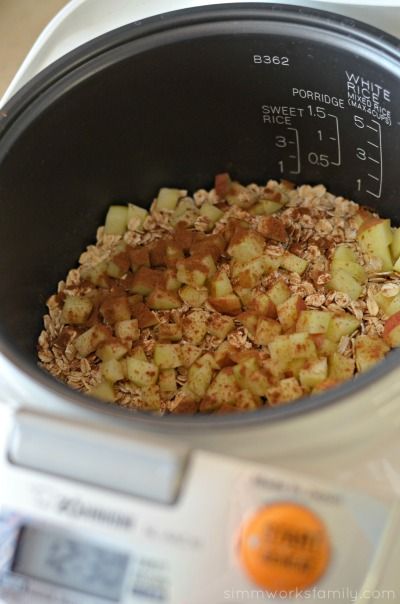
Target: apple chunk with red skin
(391, 333)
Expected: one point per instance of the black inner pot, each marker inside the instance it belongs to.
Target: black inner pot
(170, 102)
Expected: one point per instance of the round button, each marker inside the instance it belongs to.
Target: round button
(284, 546)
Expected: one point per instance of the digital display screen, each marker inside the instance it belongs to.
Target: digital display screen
(70, 563)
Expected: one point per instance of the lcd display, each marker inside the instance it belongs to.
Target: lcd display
(67, 562)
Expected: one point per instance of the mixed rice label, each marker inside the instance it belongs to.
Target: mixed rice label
(227, 300)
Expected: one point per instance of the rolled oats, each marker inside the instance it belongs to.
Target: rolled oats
(316, 223)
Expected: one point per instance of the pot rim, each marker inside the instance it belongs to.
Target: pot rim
(41, 84)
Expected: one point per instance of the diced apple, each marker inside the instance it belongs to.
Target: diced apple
(112, 371)
(184, 402)
(118, 266)
(173, 253)
(341, 368)
(246, 401)
(141, 373)
(246, 244)
(194, 297)
(245, 294)
(313, 321)
(167, 381)
(289, 311)
(158, 252)
(192, 271)
(396, 266)
(145, 317)
(137, 214)
(369, 351)
(115, 308)
(167, 356)
(97, 274)
(395, 245)
(249, 376)
(116, 220)
(145, 280)
(249, 320)
(151, 397)
(279, 292)
(281, 352)
(294, 367)
(200, 375)
(266, 331)
(223, 389)
(220, 285)
(342, 325)
(194, 326)
(112, 349)
(170, 331)
(313, 373)
(222, 184)
(211, 212)
(91, 339)
(138, 353)
(353, 268)
(342, 281)
(323, 344)
(76, 310)
(220, 325)
(103, 391)
(344, 253)
(127, 330)
(293, 263)
(248, 274)
(171, 282)
(266, 207)
(161, 299)
(262, 304)
(286, 391)
(375, 237)
(394, 305)
(208, 261)
(391, 333)
(223, 355)
(167, 199)
(189, 354)
(134, 300)
(238, 196)
(228, 305)
(273, 228)
(271, 263)
(302, 346)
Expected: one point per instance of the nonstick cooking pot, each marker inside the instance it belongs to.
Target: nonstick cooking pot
(257, 91)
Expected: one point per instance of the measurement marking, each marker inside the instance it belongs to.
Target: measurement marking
(292, 143)
(337, 139)
(372, 159)
(380, 162)
(298, 168)
(332, 138)
(293, 156)
(373, 144)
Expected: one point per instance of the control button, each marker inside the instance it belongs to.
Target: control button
(284, 546)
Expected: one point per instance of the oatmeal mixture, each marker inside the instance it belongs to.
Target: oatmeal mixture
(227, 300)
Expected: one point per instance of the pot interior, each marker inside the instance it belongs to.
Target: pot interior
(261, 93)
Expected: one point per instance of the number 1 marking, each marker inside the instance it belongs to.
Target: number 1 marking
(339, 153)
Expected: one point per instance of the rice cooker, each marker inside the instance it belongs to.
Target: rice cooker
(103, 504)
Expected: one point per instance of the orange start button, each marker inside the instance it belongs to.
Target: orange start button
(284, 546)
